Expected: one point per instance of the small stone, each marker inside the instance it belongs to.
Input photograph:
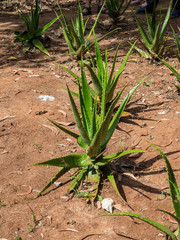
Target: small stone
(107, 204)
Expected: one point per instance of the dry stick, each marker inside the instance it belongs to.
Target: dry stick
(7, 117)
(92, 234)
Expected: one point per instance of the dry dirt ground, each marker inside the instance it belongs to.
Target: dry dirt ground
(27, 137)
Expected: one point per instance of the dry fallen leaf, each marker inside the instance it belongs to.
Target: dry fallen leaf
(53, 129)
(68, 229)
(63, 112)
(12, 58)
(26, 193)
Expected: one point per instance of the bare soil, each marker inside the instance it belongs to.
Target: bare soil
(27, 137)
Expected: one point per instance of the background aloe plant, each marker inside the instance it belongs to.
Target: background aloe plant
(74, 34)
(33, 34)
(102, 79)
(175, 198)
(154, 40)
(116, 8)
(95, 131)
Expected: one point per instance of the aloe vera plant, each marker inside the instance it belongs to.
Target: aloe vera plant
(74, 34)
(102, 79)
(117, 8)
(95, 131)
(154, 40)
(33, 34)
(175, 198)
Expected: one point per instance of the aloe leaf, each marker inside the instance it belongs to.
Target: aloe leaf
(93, 122)
(78, 179)
(174, 191)
(166, 21)
(36, 14)
(92, 29)
(80, 25)
(64, 18)
(82, 143)
(24, 18)
(118, 74)
(37, 43)
(106, 159)
(78, 119)
(156, 42)
(23, 37)
(142, 52)
(69, 71)
(147, 220)
(57, 176)
(173, 70)
(171, 215)
(66, 30)
(142, 32)
(95, 80)
(74, 135)
(69, 161)
(78, 41)
(80, 52)
(84, 114)
(113, 65)
(68, 40)
(87, 99)
(99, 61)
(98, 140)
(108, 173)
(101, 38)
(177, 43)
(48, 25)
(151, 24)
(95, 180)
(119, 112)
(126, 7)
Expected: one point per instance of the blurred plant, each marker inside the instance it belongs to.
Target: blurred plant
(154, 41)
(74, 34)
(2, 203)
(117, 8)
(35, 223)
(33, 35)
(98, 69)
(96, 128)
(175, 198)
(18, 237)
